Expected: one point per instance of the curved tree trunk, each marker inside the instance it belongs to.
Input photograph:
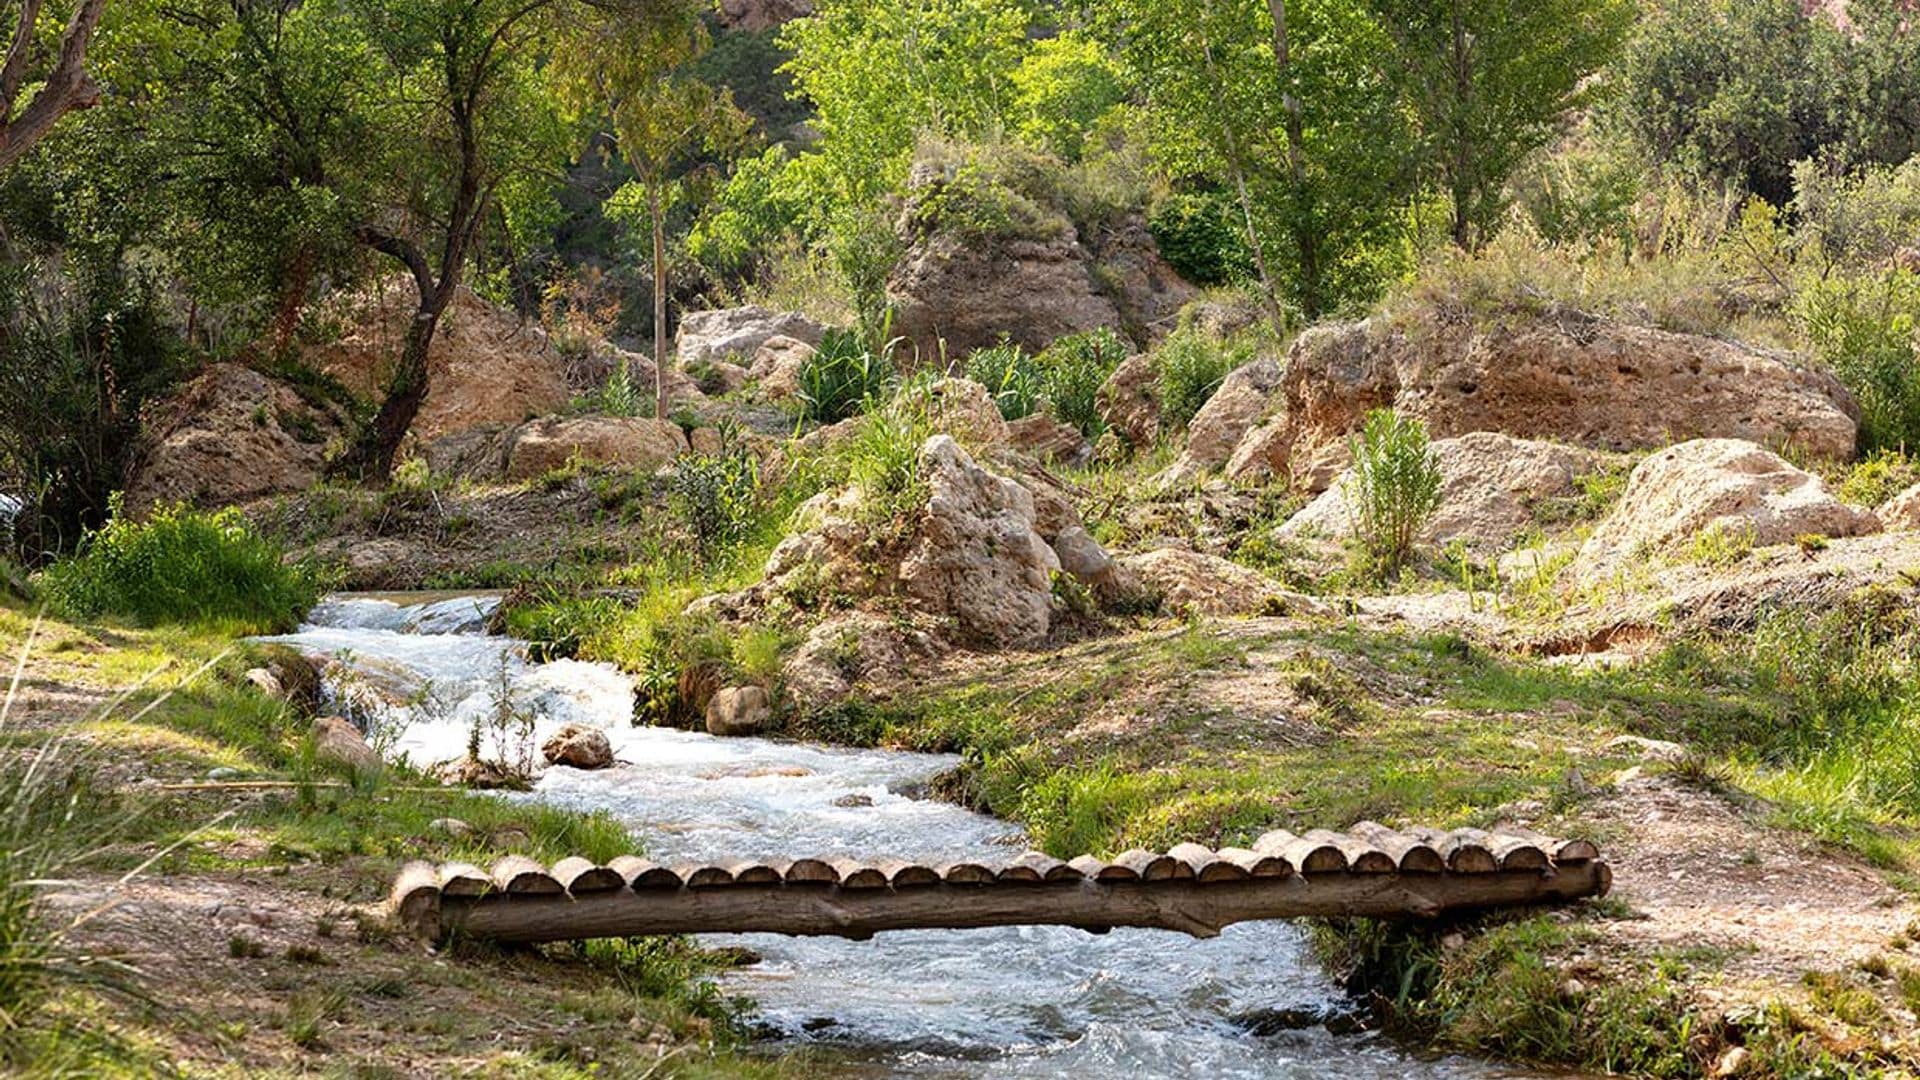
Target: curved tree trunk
(67, 88)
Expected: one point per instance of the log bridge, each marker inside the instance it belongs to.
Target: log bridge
(1369, 870)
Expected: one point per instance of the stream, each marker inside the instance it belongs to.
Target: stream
(1032, 1001)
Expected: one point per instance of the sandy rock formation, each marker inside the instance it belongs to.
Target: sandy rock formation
(1129, 401)
(738, 710)
(845, 650)
(1902, 512)
(1729, 485)
(486, 365)
(958, 407)
(578, 746)
(1049, 440)
(1590, 382)
(1146, 289)
(951, 297)
(777, 364)
(640, 443)
(1209, 585)
(338, 741)
(1490, 485)
(733, 334)
(229, 435)
(1217, 430)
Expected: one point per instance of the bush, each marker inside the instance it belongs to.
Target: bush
(1010, 375)
(1073, 369)
(844, 378)
(1863, 329)
(182, 565)
(1393, 490)
(1201, 236)
(718, 496)
(1191, 366)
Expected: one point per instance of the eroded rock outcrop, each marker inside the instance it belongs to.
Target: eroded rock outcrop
(1491, 487)
(1217, 430)
(1129, 401)
(1902, 512)
(230, 435)
(956, 295)
(736, 334)
(641, 443)
(777, 365)
(1744, 491)
(1190, 581)
(1049, 440)
(1586, 381)
(486, 365)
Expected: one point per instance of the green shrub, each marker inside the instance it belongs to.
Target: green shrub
(1073, 369)
(718, 497)
(844, 378)
(1878, 477)
(1010, 375)
(183, 565)
(1202, 236)
(1863, 329)
(1393, 490)
(1191, 366)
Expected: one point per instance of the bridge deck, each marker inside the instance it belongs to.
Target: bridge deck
(1368, 870)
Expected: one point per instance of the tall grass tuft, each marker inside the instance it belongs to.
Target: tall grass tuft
(182, 565)
(845, 378)
(1011, 376)
(1393, 490)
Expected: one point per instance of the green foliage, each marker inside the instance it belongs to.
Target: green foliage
(883, 461)
(1393, 491)
(983, 194)
(1011, 376)
(1202, 235)
(1584, 195)
(845, 378)
(182, 565)
(1190, 365)
(1878, 477)
(1073, 369)
(718, 496)
(1863, 329)
(762, 202)
(1061, 89)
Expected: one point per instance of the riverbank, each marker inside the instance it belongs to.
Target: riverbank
(251, 928)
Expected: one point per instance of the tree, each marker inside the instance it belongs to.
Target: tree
(1285, 105)
(1490, 81)
(64, 88)
(638, 72)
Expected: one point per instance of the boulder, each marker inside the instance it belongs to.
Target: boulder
(1148, 291)
(976, 557)
(1129, 401)
(777, 364)
(578, 746)
(1217, 430)
(640, 443)
(1577, 379)
(952, 296)
(734, 334)
(1049, 440)
(486, 364)
(1902, 512)
(340, 742)
(844, 650)
(1490, 485)
(681, 387)
(1080, 555)
(1715, 484)
(739, 710)
(267, 683)
(1209, 585)
(958, 407)
(230, 435)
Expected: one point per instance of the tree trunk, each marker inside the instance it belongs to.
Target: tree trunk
(657, 212)
(67, 88)
(1237, 166)
(1459, 154)
(1305, 238)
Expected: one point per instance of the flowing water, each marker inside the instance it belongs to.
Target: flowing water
(1034, 1001)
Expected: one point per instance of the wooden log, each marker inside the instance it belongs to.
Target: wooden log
(1306, 856)
(416, 898)
(1088, 866)
(1560, 851)
(1518, 853)
(1410, 854)
(1462, 853)
(1206, 865)
(1257, 864)
(751, 872)
(580, 876)
(1362, 857)
(1036, 867)
(967, 873)
(521, 876)
(464, 880)
(858, 875)
(810, 872)
(903, 874)
(1147, 865)
(648, 876)
(1197, 909)
(706, 877)
(1101, 870)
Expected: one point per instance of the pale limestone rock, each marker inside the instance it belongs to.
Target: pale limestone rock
(639, 443)
(739, 710)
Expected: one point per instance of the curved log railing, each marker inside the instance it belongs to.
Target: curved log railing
(1369, 870)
